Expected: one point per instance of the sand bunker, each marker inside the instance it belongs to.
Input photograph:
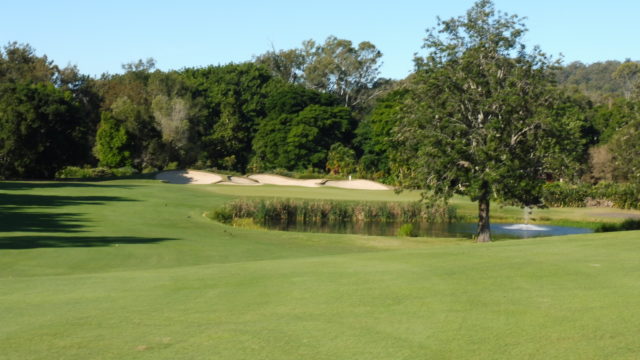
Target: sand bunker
(239, 180)
(357, 184)
(202, 178)
(283, 180)
(189, 177)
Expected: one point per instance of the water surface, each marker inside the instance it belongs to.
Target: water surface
(458, 230)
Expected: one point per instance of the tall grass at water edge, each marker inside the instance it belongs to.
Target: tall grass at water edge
(321, 211)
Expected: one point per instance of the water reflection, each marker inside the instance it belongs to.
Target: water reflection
(457, 230)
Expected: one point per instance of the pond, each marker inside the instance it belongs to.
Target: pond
(459, 230)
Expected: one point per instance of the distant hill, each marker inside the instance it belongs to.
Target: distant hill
(594, 80)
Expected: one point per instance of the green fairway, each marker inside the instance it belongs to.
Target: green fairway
(130, 269)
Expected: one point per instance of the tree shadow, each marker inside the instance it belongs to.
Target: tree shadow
(33, 242)
(8, 201)
(30, 185)
(46, 216)
(39, 221)
(22, 212)
(17, 214)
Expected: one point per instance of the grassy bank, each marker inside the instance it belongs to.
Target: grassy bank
(132, 270)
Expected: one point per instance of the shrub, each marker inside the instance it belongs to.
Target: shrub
(560, 194)
(74, 172)
(223, 215)
(623, 196)
(171, 166)
(124, 171)
(149, 170)
(407, 230)
(246, 223)
(341, 160)
(629, 224)
(71, 172)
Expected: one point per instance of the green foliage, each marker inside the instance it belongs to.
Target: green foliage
(307, 211)
(561, 194)
(568, 132)
(233, 101)
(407, 230)
(124, 171)
(75, 172)
(628, 73)
(610, 118)
(223, 215)
(374, 136)
(171, 166)
(19, 63)
(595, 80)
(157, 134)
(472, 124)
(626, 225)
(294, 135)
(341, 160)
(149, 170)
(291, 99)
(112, 143)
(302, 140)
(41, 130)
(336, 66)
(623, 196)
(625, 148)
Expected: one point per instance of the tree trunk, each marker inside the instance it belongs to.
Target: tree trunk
(484, 228)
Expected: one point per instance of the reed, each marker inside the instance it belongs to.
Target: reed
(265, 211)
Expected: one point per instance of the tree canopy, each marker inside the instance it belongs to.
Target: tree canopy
(474, 124)
(336, 66)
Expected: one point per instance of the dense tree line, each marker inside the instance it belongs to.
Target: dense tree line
(232, 117)
(320, 107)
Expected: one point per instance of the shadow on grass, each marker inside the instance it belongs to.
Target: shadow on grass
(39, 221)
(30, 185)
(39, 213)
(34, 242)
(9, 201)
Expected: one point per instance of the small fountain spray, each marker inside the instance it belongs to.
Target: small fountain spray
(526, 226)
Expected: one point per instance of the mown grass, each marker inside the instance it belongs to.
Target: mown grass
(132, 270)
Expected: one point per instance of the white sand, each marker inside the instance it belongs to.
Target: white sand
(243, 180)
(189, 177)
(283, 180)
(357, 184)
(202, 177)
(238, 180)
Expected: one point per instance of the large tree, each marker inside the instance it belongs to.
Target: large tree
(472, 125)
(233, 101)
(300, 127)
(41, 131)
(337, 66)
(628, 73)
(625, 150)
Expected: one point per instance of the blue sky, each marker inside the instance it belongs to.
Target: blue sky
(99, 36)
